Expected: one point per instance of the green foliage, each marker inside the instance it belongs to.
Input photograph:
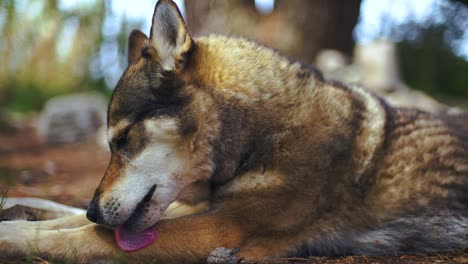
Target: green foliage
(429, 64)
(30, 96)
(25, 98)
(427, 51)
(37, 66)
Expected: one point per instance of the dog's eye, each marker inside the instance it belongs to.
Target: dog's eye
(120, 143)
(121, 140)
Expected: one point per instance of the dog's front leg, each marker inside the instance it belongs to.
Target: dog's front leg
(66, 222)
(182, 240)
(191, 239)
(82, 244)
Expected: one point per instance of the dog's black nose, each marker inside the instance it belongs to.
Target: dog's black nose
(94, 214)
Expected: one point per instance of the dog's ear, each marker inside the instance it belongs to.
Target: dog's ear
(136, 42)
(169, 35)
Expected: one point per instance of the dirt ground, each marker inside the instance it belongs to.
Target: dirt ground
(69, 174)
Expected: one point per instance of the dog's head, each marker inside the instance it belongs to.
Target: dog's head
(158, 134)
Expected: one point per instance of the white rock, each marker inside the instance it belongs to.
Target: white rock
(72, 118)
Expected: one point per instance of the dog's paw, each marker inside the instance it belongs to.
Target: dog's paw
(223, 255)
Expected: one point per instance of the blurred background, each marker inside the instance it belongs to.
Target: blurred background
(414, 52)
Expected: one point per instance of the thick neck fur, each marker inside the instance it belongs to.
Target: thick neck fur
(263, 83)
(313, 118)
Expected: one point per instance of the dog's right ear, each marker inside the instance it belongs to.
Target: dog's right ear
(169, 35)
(136, 42)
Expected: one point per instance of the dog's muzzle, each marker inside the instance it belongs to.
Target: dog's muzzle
(95, 213)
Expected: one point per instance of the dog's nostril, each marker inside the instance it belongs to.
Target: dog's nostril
(93, 211)
(91, 215)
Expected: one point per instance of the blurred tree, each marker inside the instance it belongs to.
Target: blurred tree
(462, 1)
(427, 57)
(34, 64)
(295, 27)
(46, 49)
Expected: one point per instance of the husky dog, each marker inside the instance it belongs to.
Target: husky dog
(286, 163)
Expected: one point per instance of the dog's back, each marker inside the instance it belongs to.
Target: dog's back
(388, 180)
(419, 193)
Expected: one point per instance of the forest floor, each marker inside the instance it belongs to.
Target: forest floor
(69, 174)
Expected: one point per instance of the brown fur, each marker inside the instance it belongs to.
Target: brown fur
(289, 163)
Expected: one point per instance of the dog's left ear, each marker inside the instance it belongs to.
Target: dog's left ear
(169, 35)
(136, 42)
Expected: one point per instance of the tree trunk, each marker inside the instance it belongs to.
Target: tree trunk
(297, 28)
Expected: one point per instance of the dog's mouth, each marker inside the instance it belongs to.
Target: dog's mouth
(127, 235)
(142, 208)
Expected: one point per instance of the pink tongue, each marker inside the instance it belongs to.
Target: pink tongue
(131, 241)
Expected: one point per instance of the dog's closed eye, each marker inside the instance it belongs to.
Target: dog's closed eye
(120, 140)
